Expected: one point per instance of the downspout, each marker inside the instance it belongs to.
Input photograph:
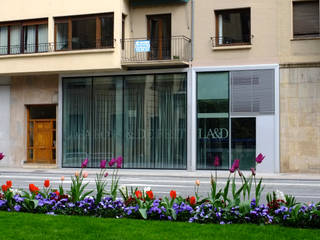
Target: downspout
(192, 29)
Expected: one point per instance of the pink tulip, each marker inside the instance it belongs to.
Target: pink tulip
(119, 162)
(260, 158)
(106, 174)
(113, 161)
(232, 169)
(253, 171)
(103, 163)
(216, 162)
(1, 156)
(85, 174)
(62, 178)
(84, 163)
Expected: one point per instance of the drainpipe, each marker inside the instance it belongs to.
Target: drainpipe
(192, 29)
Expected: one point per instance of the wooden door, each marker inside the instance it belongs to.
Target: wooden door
(159, 34)
(42, 145)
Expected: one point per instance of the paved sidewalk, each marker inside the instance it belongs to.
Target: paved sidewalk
(159, 173)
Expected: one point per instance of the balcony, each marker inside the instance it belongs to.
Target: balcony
(231, 42)
(143, 52)
(68, 56)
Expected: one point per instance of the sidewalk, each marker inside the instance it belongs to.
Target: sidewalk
(160, 173)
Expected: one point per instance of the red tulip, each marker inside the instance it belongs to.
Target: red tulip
(138, 194)
(192, 200)
(4, 188)
(33, 188)
(46, 183)
(9, 184)
(1, 156)
(173, 194)
(150, 194)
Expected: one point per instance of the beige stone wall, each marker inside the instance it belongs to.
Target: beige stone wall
(300, 119)
(27, 90)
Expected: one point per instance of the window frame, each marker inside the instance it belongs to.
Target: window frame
(69, 20)
(22, 24)
(217, 29)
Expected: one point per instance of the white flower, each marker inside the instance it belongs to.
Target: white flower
(146, 189)
(16, 192)
(123, 188)
(280, 195)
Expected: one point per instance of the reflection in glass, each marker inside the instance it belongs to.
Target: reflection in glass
(243, 141)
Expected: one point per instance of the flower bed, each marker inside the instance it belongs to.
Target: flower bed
(228, 205)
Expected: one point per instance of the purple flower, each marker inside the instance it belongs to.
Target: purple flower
(260, 158)
(112, 161)
(1, 156)
(119, 162)
(235, 165)
(84, 163)
(253, 171)
(103, 163)
(17, 208)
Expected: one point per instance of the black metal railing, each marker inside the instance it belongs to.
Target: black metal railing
(25, 48)
(231, 40)
(176, 48)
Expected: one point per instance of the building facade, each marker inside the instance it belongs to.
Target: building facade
(166, 84)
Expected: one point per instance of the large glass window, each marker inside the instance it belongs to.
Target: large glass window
(84, 32)
(213, 119)
(141, 117)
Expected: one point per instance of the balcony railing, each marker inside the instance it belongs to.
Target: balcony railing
(231, 40)
(141, 50)
(53, 47)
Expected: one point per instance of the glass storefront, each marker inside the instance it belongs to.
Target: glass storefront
(142, 117)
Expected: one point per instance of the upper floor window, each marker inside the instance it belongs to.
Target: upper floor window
(84, 32)
(305, 19)
(233, 27)
(24, 37)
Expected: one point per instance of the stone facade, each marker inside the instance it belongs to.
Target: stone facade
(300, 119)
(27, 90)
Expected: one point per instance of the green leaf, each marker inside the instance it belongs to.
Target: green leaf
(143, 212)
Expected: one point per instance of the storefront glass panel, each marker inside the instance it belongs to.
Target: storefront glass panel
(141, 117)
(213, 120)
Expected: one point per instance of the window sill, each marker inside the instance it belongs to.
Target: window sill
(232, 47)
(304, 38)
(56, 53)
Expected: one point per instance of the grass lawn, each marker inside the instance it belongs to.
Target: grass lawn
(36, 226)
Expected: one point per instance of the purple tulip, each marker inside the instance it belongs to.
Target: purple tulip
(119, 162)
(106, 174)
(232, 169)
(112, 161)
(216, 162)
(103, 163)
(260, 158)
(1, 156)
(84, 163)
(253, 171)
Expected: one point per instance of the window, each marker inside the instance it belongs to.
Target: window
(233, 27)
(24, 37)
(84, 32)
(306, 19)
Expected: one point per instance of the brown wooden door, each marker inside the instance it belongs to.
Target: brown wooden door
(159, 34)
(43, 145)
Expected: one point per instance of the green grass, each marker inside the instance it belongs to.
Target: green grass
(36, 226)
